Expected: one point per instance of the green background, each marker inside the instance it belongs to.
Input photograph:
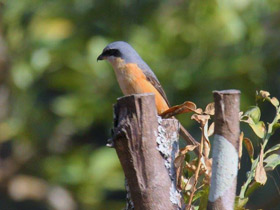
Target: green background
(56, 100)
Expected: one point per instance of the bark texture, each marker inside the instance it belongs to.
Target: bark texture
(136, 138)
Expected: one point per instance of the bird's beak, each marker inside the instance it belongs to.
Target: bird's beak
(101, 57)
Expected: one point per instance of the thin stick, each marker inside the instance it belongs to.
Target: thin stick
(196, 173)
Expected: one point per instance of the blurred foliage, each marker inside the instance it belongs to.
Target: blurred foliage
(56, 100)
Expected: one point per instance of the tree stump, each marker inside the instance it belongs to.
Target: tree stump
(146, 146)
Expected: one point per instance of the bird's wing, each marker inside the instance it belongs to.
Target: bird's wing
(154, 81)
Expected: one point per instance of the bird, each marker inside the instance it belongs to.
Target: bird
(134, 76)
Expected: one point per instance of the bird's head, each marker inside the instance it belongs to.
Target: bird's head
(119, 50)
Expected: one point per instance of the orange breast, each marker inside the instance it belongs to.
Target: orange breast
(133, 81)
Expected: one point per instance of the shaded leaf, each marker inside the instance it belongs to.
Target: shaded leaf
(179, 160)
(259, 129)
(250, 177)
(178, 163)
(204, 198)
(272, 161)
(274, 148)
(202, 119)
(210, 109)
(187, 149)
(275, 127)
(249, 147)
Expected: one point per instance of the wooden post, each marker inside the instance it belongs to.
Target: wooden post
(225, 150)
(146, 146)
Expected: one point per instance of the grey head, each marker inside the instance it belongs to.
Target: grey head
(125, 51)
(120, 49)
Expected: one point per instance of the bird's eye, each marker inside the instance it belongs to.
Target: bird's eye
(112, 52)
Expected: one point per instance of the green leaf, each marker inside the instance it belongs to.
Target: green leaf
(274, 148)
(198, 194)
(259, 129)
(250, 177)
(272, 161)
(274, 101)
(254, 113)
(252, 188)
(240, 203)
(275, 127)
(264, 94)
(204, 198)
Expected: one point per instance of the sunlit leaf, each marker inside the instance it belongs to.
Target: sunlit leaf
(264, 94)
(186, 107)
(200, 118)
(260, 175)
(189, 105)
(206, 168)
(274, 101)
(240, 115)
(259, 129)
(191, 166)
(190, 183)
(246, 119)
(240, 203)
(198, 111)
(211, 128)
(252, 187)
(272, 161)
(210, 109)
(254, 113)
(240, 148)
(205, 140)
